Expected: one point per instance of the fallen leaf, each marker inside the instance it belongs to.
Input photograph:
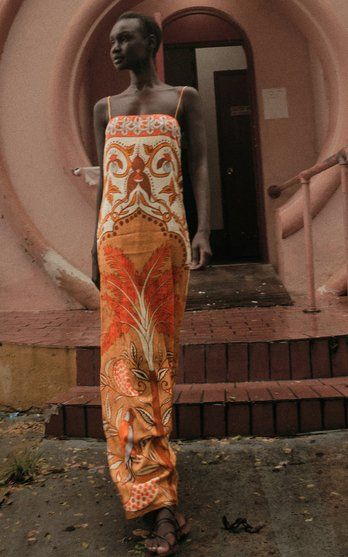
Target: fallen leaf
(85, 545)
(32, 533)
(280, 466)
(139, 533)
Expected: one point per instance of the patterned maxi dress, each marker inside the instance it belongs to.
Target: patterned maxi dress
(143, 256)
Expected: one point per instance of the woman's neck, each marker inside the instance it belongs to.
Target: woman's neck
(144, 77)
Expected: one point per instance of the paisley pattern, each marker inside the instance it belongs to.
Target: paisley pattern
(143, 256)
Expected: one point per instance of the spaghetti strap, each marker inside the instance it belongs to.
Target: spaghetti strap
(179, 101)
(109, 108)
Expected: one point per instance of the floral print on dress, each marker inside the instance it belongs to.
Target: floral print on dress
(143, 251)
(142, 495)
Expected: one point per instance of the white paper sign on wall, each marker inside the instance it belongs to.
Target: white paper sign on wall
(275, 104)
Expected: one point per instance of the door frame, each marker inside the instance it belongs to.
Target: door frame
(255, 132)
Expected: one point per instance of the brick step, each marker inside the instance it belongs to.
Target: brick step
(221, 409)
(311, 358)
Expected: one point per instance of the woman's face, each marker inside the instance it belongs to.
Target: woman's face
(129, 48)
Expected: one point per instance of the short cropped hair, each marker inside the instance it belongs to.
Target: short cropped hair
(149, 25)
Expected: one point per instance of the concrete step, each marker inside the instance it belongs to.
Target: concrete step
(202, 410)
(216, 362)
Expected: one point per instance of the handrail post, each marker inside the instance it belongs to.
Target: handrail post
(344, 182)
(308, 237)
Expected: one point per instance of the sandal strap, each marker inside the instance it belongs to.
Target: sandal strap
(171, 521)
(179, 528)
(155, 535)
(168, 519)
(173, 514)
(174, 531)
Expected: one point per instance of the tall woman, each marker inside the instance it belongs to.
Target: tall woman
(141, 262)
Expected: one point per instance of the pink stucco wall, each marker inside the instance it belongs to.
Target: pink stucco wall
(48, 216)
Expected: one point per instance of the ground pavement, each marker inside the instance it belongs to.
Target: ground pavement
(296, 487)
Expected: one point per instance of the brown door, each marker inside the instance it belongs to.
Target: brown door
(240, 236)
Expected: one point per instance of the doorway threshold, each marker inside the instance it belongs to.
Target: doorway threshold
(236, 285)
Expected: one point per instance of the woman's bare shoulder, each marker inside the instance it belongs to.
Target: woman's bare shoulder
(187, 90)
(100, 109)
(190, 91)
(191, 98)
(190, 94)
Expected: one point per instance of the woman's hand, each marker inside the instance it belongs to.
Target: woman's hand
(201, 250)
(95, 266)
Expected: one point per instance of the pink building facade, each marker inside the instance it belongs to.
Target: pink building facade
(55, 64)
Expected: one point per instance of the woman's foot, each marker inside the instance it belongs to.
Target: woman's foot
(170, 527)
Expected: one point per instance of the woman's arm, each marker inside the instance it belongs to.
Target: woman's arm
(198, 168)
(100, 122)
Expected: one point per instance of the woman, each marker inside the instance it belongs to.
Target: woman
(141, 263)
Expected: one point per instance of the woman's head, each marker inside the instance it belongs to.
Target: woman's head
(134, 37)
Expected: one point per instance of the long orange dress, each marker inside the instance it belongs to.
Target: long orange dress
(143, 256)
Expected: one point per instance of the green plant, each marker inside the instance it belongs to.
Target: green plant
(21, 467)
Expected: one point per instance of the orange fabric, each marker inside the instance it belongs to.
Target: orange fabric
(143, 256)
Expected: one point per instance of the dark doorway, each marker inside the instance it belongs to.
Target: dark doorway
(239, 238)
(241, 235)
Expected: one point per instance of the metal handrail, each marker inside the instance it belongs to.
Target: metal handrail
(304, 178)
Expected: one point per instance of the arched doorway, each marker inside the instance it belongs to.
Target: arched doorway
(206, 49)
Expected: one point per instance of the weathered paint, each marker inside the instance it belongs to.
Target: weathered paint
(30, 375)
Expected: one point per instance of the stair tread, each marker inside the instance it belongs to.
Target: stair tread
(220, 409)
(195, 393)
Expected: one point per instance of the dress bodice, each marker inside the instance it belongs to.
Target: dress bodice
(142, 172)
